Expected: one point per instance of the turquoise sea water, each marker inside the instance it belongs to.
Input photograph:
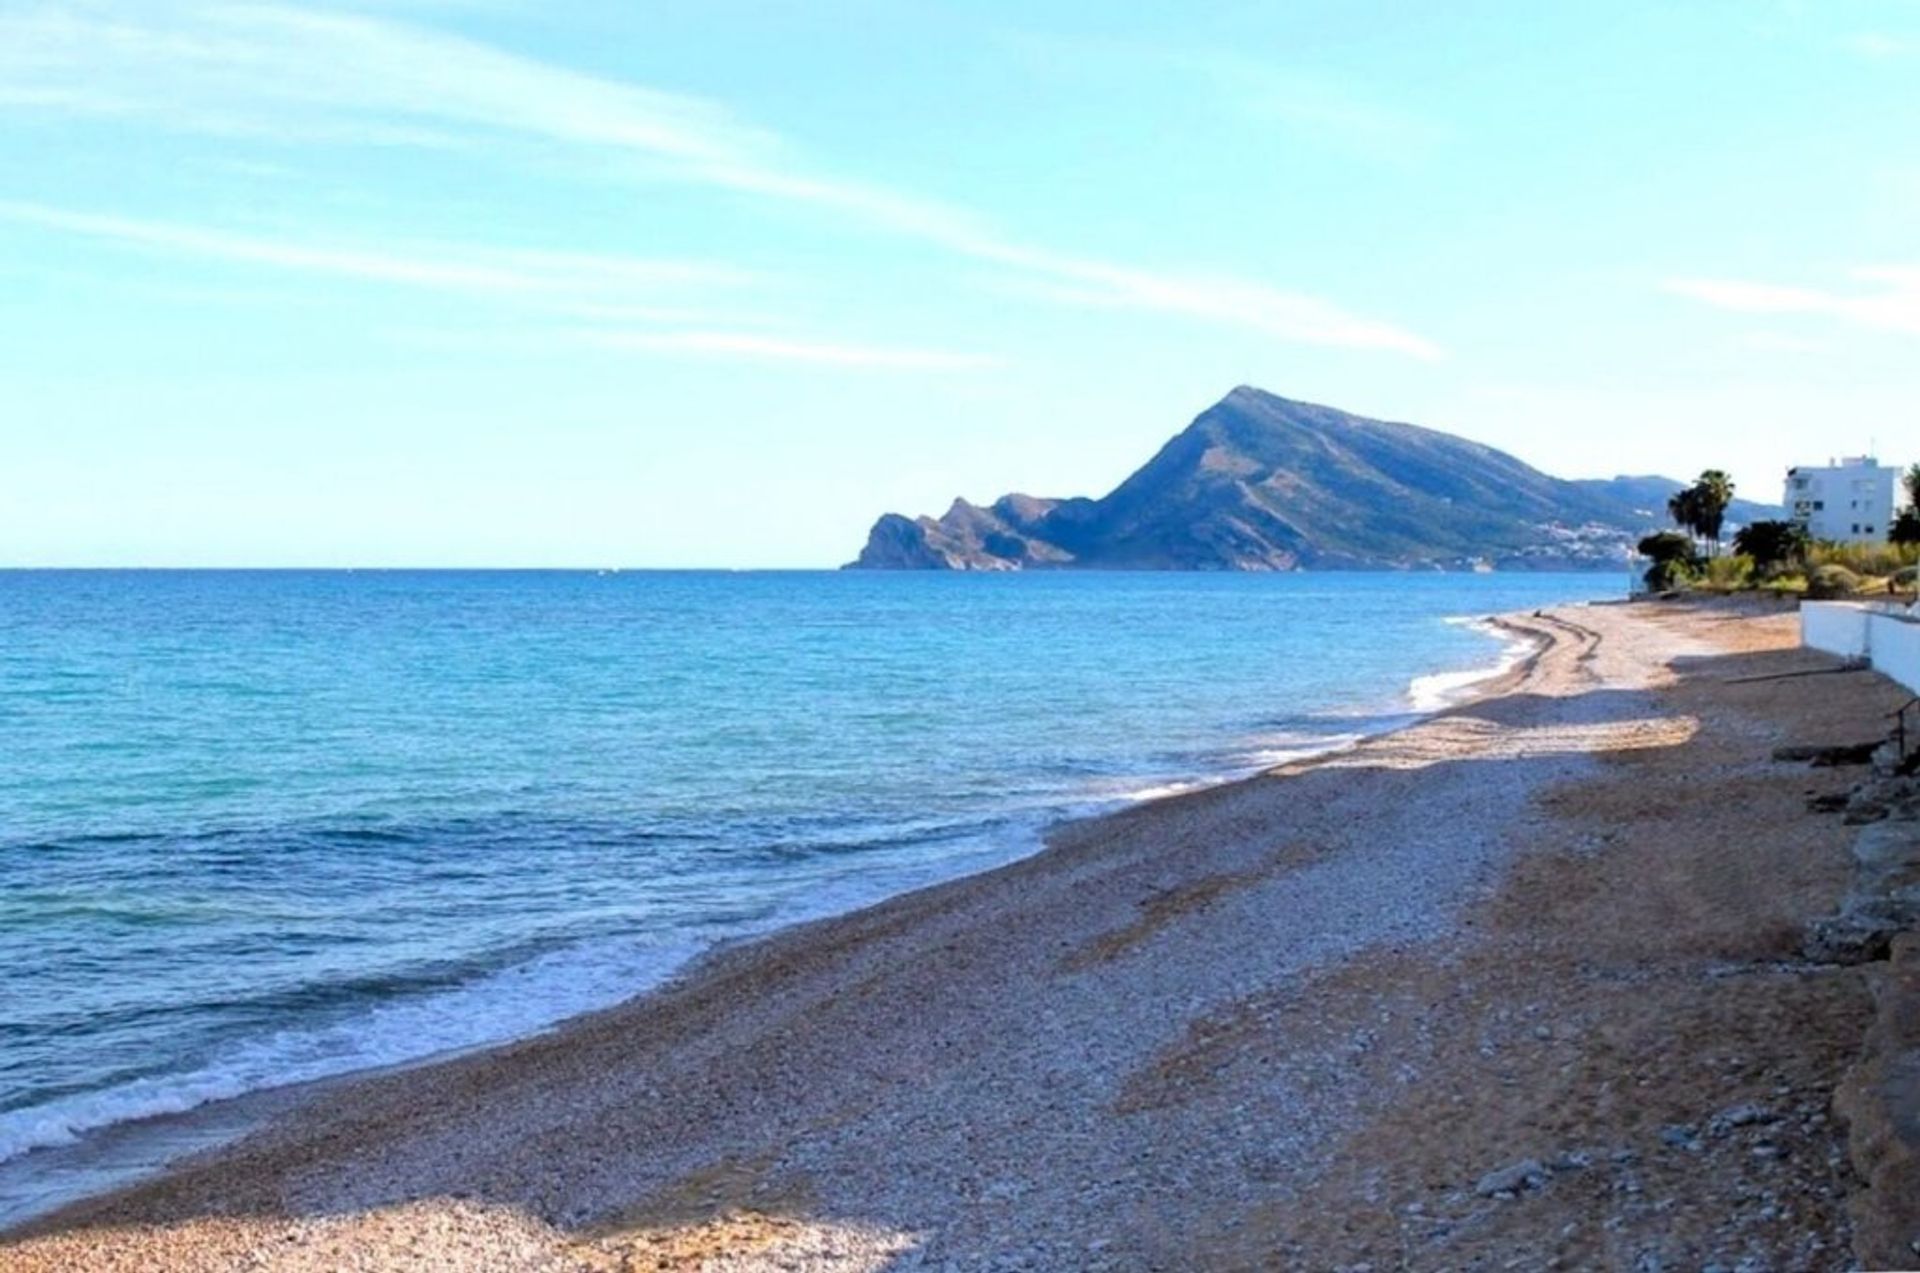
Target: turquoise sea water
(265, 827)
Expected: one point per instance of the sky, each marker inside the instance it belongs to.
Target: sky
(713, 283)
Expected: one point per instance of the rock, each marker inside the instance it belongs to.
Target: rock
(1879, 1099)
(1883, 797)
(1883, 898)
(1513, 1180)
(1740, 1116)
(967, 537)
(1890, 761)
(1830, 757)
(1846, 939)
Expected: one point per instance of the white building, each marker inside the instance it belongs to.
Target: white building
(1850, 500)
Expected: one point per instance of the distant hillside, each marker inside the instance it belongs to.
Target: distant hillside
(1648, 496)
(1259, 482)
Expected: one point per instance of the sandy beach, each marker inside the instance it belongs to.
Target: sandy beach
(1520, 983)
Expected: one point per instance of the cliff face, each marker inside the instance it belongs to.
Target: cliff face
(1259, 482)
(966, 537)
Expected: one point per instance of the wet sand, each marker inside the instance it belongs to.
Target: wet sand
(1518, 982)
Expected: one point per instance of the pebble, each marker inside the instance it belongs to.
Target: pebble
(1512, 1180)
(1739, 1116)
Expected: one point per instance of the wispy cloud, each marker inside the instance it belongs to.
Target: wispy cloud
(1288, 316)
(1782, 343)
(580, 286)
(1879, 45)
(1317, 106)
(1887, 300)
(685, 343)
(778, 349)
(514, 272)
(275, 71)
(272, 72)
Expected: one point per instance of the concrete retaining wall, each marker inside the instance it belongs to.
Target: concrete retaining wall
(1888, 636)
(1894, 646)
(1838, 627)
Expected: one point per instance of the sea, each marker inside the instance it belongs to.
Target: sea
(260, 828)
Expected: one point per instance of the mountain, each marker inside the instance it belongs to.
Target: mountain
(1259, 482)
(1647, 496)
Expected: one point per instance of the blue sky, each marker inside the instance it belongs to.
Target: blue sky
(713, 283)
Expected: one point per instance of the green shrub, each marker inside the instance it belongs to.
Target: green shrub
(1865, 559)
(1676, 562)
(1730, 573)
(1772, 543)
(1906, 527)
(1830, 581)
(1675, 572)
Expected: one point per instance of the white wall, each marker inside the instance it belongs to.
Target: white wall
(1838, 627)
(1895, 647)
(1887, 635)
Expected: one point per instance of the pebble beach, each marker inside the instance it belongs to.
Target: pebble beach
(1517, 982)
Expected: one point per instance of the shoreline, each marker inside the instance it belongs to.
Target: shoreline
(208, 1129)
(1289, 1020)
(105, 1160)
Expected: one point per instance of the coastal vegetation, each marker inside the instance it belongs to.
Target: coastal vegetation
(1906, 526)
(1702, 508)
(1774, 555)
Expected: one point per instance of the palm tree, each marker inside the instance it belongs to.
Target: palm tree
(1712, 493)
(1906, 524)
(1702, 507)
(1684, 507)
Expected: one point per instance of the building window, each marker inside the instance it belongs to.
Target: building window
(1819, 505)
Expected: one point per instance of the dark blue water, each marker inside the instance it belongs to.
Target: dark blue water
(264, 827)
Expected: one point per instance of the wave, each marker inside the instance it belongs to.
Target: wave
(1440, 690)
(516, 1001)
(375, 1025)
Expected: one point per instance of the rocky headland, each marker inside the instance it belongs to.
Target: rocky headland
(1259, 482)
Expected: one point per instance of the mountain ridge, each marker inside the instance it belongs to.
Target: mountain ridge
(1261, 482)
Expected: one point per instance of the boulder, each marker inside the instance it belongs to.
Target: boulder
(1880, 1100)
